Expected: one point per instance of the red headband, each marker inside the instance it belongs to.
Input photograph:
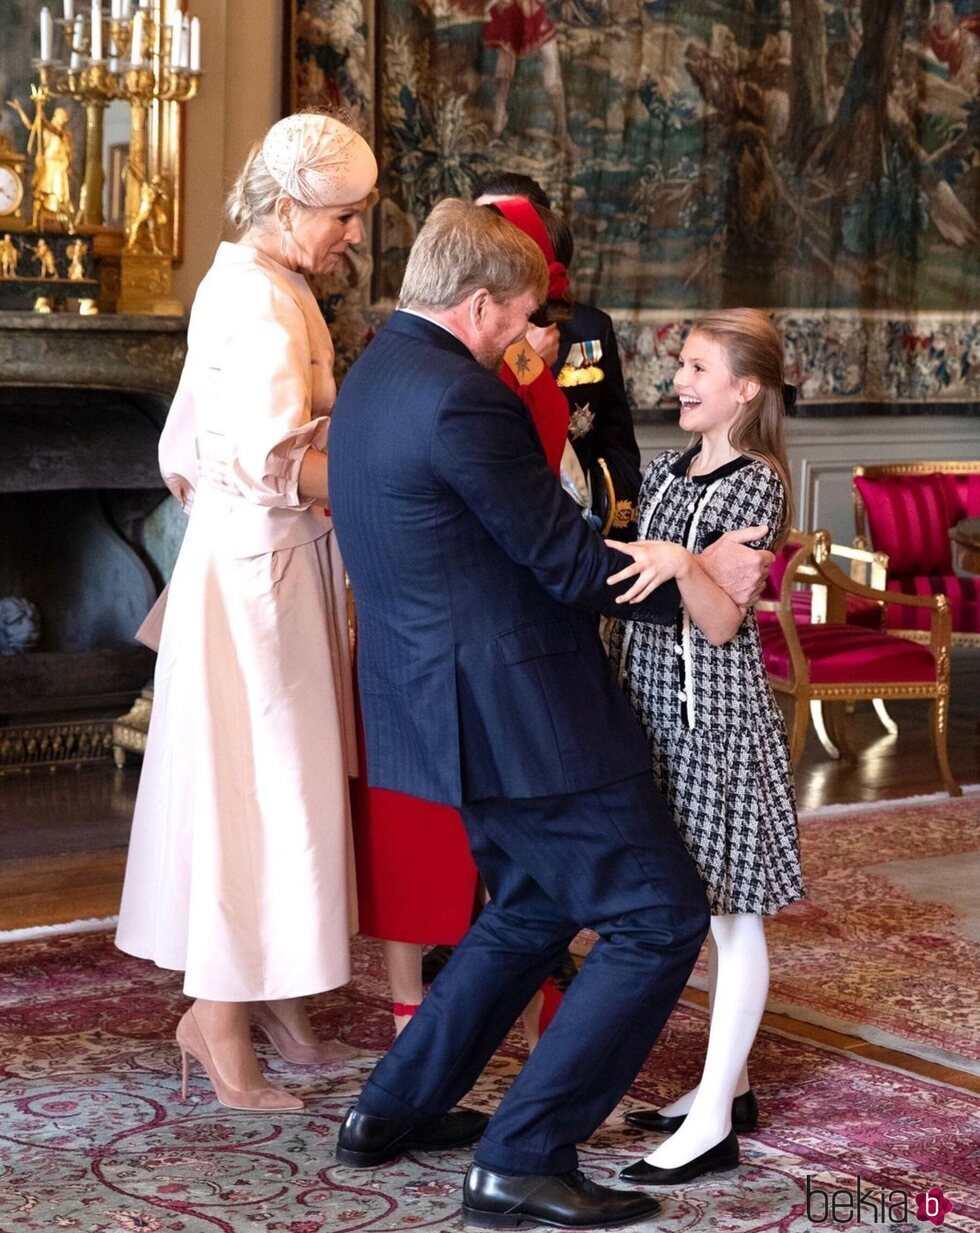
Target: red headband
(523, 215)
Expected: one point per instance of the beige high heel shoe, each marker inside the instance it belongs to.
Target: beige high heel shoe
(292, 1050)
(267, 1099)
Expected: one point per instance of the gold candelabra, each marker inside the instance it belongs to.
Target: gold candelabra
(139, 55)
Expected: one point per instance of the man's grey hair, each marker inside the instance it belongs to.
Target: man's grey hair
(463, 247)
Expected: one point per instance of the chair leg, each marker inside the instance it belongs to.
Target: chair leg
(939, 714)
(835, 714)
(797, 736)
(816, 714)
(890, 726)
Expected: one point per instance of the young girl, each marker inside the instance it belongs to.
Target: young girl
(701, 692)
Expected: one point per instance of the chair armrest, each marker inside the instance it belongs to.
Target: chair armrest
(867, 566)
(837, 578)
(940, 622)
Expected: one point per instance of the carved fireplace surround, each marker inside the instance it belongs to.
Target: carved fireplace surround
(82, 402)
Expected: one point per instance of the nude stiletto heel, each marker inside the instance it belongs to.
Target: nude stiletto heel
(292, 1050)
(266, 1099)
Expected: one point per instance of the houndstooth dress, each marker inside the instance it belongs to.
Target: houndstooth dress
(720, 754)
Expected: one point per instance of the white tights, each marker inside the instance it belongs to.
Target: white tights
(738, 983)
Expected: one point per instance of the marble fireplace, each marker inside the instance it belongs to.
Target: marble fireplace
(82, 402)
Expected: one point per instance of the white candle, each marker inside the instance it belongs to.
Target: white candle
(47, 33)
(116, 10)
(77, 35)
(96, 53)
(69, 10)
(176, 40)
(136, 50)
(125, 8)
(195, 45)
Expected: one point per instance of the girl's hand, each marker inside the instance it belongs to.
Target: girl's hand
(654, 562)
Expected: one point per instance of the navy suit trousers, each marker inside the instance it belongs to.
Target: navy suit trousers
(611, 859)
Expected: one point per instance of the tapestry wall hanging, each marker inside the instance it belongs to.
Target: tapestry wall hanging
(816, 157)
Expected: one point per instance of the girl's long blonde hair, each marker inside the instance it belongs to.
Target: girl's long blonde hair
(755, 351)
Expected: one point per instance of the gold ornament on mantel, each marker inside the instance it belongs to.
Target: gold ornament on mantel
(11, 185)
(50, 143)
(149, 230)
(76, 254)
(9, 256)
(147, 54)
(46, 261)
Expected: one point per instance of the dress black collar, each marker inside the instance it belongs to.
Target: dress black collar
(679, 468)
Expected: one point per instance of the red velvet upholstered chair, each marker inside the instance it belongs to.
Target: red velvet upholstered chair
(906, 510)
(834, 662)
(809, 606)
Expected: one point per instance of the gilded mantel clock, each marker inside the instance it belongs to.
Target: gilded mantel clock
(11, 185)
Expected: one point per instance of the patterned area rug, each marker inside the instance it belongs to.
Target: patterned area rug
(885, 946)
(94, 1138)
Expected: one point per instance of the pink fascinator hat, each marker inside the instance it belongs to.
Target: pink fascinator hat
(319, 161)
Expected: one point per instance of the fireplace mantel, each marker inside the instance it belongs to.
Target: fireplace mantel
(138, 354)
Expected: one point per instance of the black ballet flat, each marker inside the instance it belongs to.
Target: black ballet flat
(745, 1117)
(718, 1159)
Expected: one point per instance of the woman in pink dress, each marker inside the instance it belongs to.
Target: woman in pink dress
(240, 871)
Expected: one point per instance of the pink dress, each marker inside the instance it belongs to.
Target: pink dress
(240, 869)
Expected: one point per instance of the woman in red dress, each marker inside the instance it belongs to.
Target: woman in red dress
(416, 881)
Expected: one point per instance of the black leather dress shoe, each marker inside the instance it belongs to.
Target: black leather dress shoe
(366, 1141)
(566, 1201)
(745, 1117)
(717, 1159)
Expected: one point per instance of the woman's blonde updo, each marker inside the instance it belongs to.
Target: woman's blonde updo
(254, 194)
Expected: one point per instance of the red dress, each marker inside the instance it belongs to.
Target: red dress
(524, 371)
(416, 881)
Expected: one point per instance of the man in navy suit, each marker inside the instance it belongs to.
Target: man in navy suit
(484, 685)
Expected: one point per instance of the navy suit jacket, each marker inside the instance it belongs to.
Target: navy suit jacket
(475, 580)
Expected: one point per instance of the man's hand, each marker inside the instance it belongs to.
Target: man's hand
(544, 339)
(738, 570)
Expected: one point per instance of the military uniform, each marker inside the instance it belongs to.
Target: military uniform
(600, 420)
